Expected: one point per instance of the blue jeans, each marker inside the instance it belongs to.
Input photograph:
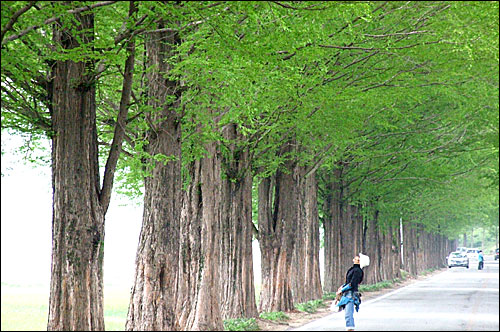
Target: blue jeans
(349, 311)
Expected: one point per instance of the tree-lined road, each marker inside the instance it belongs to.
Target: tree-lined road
(458, 299)
(251, 119)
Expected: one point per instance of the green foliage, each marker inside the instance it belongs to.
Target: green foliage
(241, 324)
(377, 286)
(310, 306)
(275, 316)
(329, 296)
(428, 271)
(401, 97)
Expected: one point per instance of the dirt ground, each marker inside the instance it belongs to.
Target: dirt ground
(299, 318)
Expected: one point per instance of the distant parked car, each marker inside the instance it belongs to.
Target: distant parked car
(457, 259)
(496, 254)
(473, 253)
(462, 250)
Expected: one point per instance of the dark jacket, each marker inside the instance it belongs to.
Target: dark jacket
(354, 276)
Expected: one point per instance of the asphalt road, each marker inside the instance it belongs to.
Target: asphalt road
(458, 299)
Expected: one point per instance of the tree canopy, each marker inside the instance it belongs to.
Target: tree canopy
(403, 95)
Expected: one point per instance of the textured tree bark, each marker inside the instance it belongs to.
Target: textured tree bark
(372, 249)
(152, 301)
(419, 246)
(313, 276)
(306, 280)
(346, 234)
(396, 252)
(190, 263)
(390, 257)
(298, 265)
(236, 268)
(424, 250)
(351, 229)
(198, 300)
(76, 289)
(333, 244)
(277, 228)
(410, 250)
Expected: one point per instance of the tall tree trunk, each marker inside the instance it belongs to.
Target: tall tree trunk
(298, 266)
(152, 301)
(198, 300)
(396, 252)
(409, 249)
(190, 249)
(496, 237)
(312, 278)
(372, 249)
(76, 288)
(328, 250)
(350, 234)
(311, 285)
(390, 254)
(277, 228)
(482, 238)
(334, 276)
(472, 237)
(236, 268)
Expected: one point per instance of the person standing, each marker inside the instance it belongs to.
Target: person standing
(350, 295)
(481, 260)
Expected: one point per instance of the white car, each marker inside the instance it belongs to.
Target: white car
(457, 259)
(473, 253)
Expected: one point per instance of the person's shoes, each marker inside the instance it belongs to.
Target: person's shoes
(349, 328)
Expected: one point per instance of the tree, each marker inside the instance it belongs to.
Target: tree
(62, 105)
(153, 296)
(390, 106)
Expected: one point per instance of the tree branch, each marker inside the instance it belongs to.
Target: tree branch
(14, 18)
(119, 134)
(53, 19)
(311, 7)
(395, 34)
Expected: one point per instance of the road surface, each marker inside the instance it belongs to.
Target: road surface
(458, 299)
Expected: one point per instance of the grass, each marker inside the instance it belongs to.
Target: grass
(278, 316)
(241, 324)
(115, 308)
(377, 286)
(329, 296)
(428, 271)
(24, 311)
(310, 306)
(25, 308)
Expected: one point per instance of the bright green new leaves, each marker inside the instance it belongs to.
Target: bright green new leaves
(403, 94)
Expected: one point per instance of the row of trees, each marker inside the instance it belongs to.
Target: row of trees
(253, 119)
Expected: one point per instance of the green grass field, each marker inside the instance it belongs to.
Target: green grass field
(25, 308)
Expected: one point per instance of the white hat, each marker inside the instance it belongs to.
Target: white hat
(363, 260)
